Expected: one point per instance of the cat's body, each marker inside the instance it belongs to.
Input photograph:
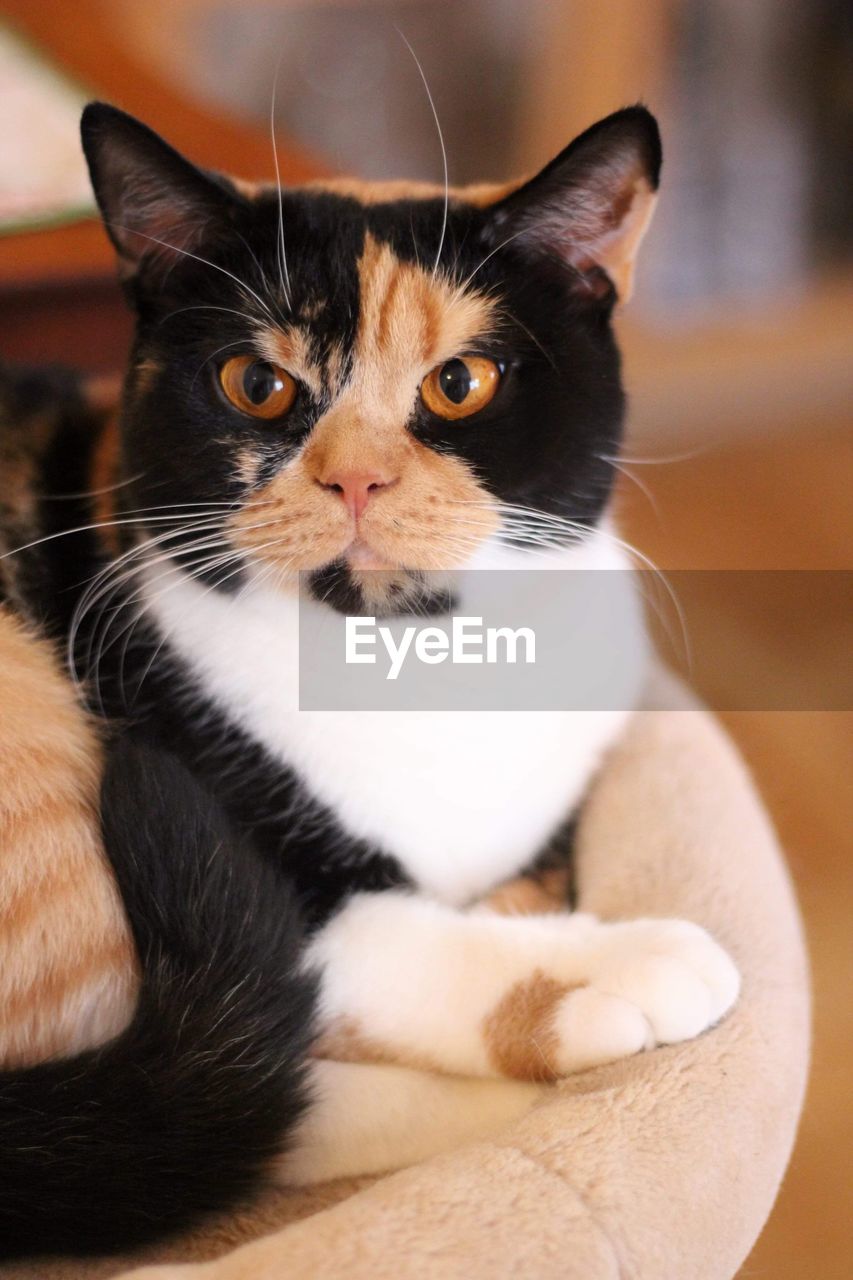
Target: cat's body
(359, 385)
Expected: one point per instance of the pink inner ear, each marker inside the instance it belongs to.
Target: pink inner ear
(602, 227)
(157, 223)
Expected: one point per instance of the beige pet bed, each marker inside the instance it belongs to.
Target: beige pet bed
(661, 1167)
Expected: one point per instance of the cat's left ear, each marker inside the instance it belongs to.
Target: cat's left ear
(157, 207)
(591, 206)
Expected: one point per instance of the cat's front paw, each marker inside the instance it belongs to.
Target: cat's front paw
(651, 982)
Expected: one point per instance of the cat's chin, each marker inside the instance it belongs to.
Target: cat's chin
(359, 555)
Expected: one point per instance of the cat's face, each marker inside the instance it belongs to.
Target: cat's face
(350, 378)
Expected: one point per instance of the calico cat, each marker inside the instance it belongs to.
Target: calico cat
(332, 390)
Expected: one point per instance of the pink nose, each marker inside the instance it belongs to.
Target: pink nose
(356, 488)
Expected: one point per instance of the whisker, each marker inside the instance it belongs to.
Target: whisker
(466, 282)
(415, 247)
(82, 528)
(646, 561)
(206, 565)
(441, 144)
(212, 509)
(665, 459)
(532, 336)
(641, 485)
(209, 306)
(234, 504)
(115, 575)
(93, 665)
(207, 590)
(91, 493)
(544, 530)
(284, 274)
(184, 530)
(226, 346)
(197, 258)
(109, 580)
(261, 273)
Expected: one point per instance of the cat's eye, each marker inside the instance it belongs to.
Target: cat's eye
(257, 387)
(460, 387)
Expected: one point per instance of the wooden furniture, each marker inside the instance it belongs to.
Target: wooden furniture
(59, 300)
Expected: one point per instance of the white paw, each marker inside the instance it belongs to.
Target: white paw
(651, 982)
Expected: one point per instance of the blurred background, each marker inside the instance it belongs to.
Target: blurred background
(738, 343)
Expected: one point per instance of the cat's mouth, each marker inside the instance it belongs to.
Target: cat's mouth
(301, 530)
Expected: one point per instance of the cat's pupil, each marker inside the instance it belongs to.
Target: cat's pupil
(455, 380)
(260, 380)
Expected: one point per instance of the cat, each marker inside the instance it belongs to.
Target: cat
(332, 391)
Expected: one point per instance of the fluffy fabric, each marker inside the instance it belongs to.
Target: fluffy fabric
(661, 1167)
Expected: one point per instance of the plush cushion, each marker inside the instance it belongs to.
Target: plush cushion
(660, 1167)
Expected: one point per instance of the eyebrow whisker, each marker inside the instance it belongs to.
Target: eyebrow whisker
(283, 272)
(441, 144)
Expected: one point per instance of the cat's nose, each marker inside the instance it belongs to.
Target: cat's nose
(356, 488)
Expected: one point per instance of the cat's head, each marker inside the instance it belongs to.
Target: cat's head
(350, 377)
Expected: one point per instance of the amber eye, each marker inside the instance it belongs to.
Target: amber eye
(460, 387)
(256, 387)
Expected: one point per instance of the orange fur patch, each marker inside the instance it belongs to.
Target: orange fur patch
(145, 374)
(291, 348)
(479, 193)
(388, 190)
(69, 976)
(102, 393)
(544, 894)
(105, 468)
(519, 1037)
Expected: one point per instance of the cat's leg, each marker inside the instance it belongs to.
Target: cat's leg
(372, 1118)
(408, 980)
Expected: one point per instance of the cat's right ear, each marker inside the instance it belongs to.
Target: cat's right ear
(156, 206)
(591, 206)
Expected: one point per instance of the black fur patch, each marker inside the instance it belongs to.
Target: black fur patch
(181, 1115)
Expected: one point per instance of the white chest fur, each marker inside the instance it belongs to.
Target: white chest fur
(462, 799)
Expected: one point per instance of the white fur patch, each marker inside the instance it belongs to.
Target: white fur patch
(462, 799)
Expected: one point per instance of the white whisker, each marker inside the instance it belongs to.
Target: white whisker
(209, 306)
(82, 528)
(283, 272)
(547, 531)
(226, 346)
(93, 666)
(119, 572)
(197, 258)
(109, 580)
(466, 282)
(663, 458)
(91, 493)
(641, 485)
(441, 144)
(211, 587)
